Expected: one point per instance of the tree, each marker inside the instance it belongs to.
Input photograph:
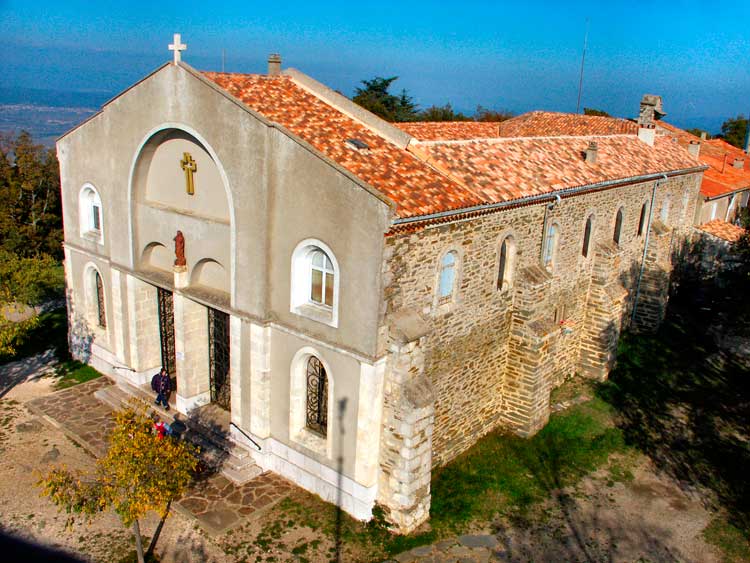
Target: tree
(734, 130)
(442, 113)
(30, 209)
(486, 114)
(375, 97)
(138, 474)
(24, 283)
(592, 111)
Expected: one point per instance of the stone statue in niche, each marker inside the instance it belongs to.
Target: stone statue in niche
(179, 249)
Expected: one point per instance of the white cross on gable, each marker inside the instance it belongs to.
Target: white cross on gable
(177, 47)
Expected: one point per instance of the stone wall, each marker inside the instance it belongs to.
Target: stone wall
(492, 355)
(406, 439)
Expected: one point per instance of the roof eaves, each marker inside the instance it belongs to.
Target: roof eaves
(527, 200)
(726, 193)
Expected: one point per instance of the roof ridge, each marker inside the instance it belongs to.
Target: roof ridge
(494, 140)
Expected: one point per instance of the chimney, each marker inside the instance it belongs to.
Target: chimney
(704, 135)
(591, 151)
(694, 148)
(274, 64)
(647, 134)
(651, 110)
(739, 163)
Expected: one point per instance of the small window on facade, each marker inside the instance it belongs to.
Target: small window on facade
(664, 215)
(90, 213)
(447, 277)
(321, 278)
(642, 220)
(506, 264)
(714, 209)
(618, 227)
(587, 236)
(100, 309)
(96, 217)
(317, 397)
(559, 316)
(550, 246)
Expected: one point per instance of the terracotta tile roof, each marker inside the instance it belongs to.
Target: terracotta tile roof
(531, 124)
(507, 169)
(723, 230)
(428, 177)
(722, 177)
(550, 124)
(416, 188)
(449, 130)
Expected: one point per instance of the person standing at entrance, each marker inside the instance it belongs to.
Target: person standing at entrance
(162, 385)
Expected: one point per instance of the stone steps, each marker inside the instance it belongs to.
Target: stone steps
(217, 451)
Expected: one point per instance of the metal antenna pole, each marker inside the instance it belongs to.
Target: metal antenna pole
(583, 60)
(223, 58)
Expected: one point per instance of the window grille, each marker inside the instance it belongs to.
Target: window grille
(101, 313)
(317, 396)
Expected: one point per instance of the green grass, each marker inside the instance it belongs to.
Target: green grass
(506, 474)
(72, 373)
(500, 475)
(733, 544)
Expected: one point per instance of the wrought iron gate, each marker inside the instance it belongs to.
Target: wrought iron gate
(166, 333)
(218, 357)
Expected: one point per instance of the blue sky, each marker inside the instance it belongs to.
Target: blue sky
(506, 55)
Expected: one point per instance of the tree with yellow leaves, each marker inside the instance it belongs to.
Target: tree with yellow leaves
(139, 473)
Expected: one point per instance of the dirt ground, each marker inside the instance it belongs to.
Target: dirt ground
(643, 517)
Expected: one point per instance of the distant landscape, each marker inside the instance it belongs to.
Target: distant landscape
(46, 114)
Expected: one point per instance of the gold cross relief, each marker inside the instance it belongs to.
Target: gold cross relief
(190, 167)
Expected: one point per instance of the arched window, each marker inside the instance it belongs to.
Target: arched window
(506, 263)
(551, 240)
(642, 220)
(101, 314)
(447, 279)
(617, 234)
(317, 397)
(90, 213)
(664, 214)
(315, 282)
(321, 278)
(587, 236)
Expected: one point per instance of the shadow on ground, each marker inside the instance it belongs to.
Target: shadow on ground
(683, 397)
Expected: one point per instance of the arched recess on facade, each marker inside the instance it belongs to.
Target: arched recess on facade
(177, 183)
(157, 256)
(209, 273)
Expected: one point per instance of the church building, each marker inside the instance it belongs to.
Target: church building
(364, 299)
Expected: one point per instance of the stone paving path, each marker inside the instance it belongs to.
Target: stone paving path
(463, 549)
(219, 504)
(214, 501)
(78, 414)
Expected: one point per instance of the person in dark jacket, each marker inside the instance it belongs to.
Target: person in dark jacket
(162, 385)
